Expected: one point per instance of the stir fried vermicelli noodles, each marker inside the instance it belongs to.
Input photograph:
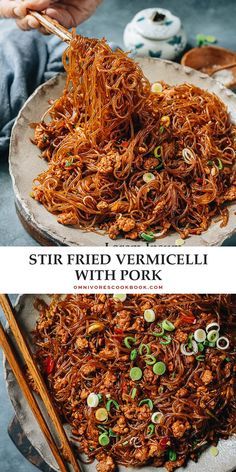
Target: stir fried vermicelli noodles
(133, 159)
(143, 379)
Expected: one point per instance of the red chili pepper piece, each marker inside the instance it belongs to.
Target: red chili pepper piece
(187, 319)
(49, 365)
(118, 331)
(125, 143)
(164, 442)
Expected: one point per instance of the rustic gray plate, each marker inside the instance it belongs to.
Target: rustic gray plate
(25, 163)
(27, 315)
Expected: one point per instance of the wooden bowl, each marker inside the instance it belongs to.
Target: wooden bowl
(207, 58)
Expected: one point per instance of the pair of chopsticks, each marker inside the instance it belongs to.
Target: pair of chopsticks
(52, 26)
(65, 450)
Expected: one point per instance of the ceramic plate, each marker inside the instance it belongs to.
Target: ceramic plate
(27, 315)
(25, 163)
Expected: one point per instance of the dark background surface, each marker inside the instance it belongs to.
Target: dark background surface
(213, 17)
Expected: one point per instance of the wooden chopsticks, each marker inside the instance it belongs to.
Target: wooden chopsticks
(20, 377)
(52, 26)
(38, 379)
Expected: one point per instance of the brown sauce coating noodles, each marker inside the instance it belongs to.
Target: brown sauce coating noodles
(108, 130)
(89, 344)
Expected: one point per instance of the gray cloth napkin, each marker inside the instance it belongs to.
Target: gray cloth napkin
(27, 59)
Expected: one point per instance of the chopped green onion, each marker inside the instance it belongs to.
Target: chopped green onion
(110, 403)
(188, 155)
(212, 336)
(69, 163)
(119, 297)
(210, 163)
(157, 152)
(165, 120)
(200, 347)
(150, 236)
(166, 340)
(133, 393)
(135, 373)
(103, 439)
(112, 434)
(167, 325)
(179, 242)
(158, 333)
(144, 347)
(225, 343)
(104, 430)
(101, 414)
(156, 87)
(150, 359)
(227, 359)
(146, 401)
(125, 443)
(159, 368)
(128, 340)
(99, 397)
(200, 335)
(161, 129)
(214, 326)
(190, 339)
(92, 400)
(214, 451)
(150, 429)
(200, 358)
(149, 316)
(172, 455)
(212, 344)
(157, 417)
(220, 165)
(133, 354)
(148, 177)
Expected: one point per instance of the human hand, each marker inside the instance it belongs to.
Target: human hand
(68, 13)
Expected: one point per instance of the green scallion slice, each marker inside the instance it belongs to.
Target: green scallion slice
(133, 393)
(220, 165)
(135, 373)
(200, 358)
(146, 401)
(149, 237)
(157, 152)
(172, 455)
(150, 359)
(110, 403)
(144, 349)
(159, 368)
(158, 333)
(103, 439)
(200, 347)
(128, 341)
(150, 429)
(166, 339)
(167, 325)
(133, 354)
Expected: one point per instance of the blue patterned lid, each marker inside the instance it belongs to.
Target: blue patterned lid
(156, 23)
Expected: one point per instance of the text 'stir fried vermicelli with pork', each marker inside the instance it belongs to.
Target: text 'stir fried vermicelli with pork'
(131, 158)
(141, 379)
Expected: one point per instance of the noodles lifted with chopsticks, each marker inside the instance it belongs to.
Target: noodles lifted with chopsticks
(132, 159)
(141, 379)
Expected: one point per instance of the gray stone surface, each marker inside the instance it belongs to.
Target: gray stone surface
(212, 17)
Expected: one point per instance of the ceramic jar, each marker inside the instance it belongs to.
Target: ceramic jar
(155, 32)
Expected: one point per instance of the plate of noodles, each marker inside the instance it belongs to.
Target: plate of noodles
(118, 151)
(141, 381)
